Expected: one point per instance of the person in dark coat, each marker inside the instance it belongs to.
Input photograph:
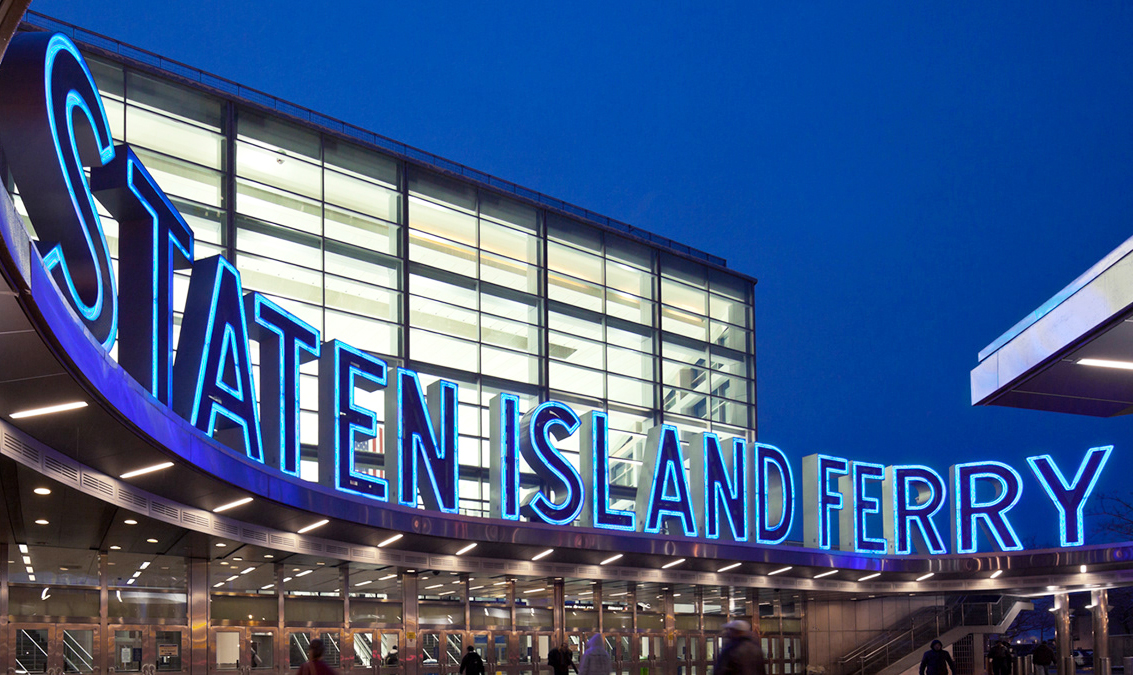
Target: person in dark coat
(741, 654)
(561, 660)
(936, 661)
(472, 664)
(1000, 657)
(1043, 657)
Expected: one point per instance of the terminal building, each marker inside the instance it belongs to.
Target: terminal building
(438, 410)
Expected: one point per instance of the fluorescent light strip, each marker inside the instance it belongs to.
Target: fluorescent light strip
(143, 565)
(1099, 363)
(672, 564)
(996, 573)
(476, 588)
(387, 577)
(27, 559)
(534, 590)
(544, 554)
(145, 470)
(729, 567)
(780, 570)
(23, 548)
(429, 588)
(364, 583)
(611, 559)
(264, 588)
(312, 526)
(232, 505)
(247, 569)
(304, 573)
(234, 577)
(35, 412)
(389, 541)
(870, 576)
(925, 576)
(216, 585)
(466, 549)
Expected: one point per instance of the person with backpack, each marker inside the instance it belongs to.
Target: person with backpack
(391, 657)
(472, 664)
(561, 660)
(1000, 657)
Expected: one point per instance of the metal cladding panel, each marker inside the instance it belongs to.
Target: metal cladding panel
(1066, 328)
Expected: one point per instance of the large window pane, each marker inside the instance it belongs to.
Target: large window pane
(371, 233)
(275, 167)
(574, 262)
(443, 350)
(279, 206)
(442, 254)
(184, 141)
(176, 101)
(181, 179)
(362, 196)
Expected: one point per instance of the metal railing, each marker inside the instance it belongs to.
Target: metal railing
(923, 626)
(332, 124)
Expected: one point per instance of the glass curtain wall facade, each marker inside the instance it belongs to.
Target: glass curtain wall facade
(446, 276)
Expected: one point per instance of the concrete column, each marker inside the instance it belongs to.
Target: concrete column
(282, 642)
(1099, 607)
(412, 655)
(1062, 639)
(4, 605)
(104, 611)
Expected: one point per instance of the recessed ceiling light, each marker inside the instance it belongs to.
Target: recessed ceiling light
(42, 491)
(389, 541)
(1100, 363)
(466, 549)
(151, 540)
(221, 544)
(23, 548)
(320, 563)
(611, 559)
(116, 548)
(232, 505)
(1082, 569)
(145, 470)
(237, 558)
(544, 554)
(130, 521)
(269, 556)
(672, 564)
(305, 530)
(42, 521)
(35, 412)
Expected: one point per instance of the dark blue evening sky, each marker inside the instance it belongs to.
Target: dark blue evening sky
(906, 180)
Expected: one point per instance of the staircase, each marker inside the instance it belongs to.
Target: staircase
(900, 648)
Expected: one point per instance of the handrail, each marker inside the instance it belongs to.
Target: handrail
(335, 125)
(896, 644)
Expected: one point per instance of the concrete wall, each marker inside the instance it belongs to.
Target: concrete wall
(835, 627)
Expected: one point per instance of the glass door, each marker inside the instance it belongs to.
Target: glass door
(492, 647)
(649, 659)
(235, 649)
(30, 647)
(135, 649)
(299, 646)
(81, 648)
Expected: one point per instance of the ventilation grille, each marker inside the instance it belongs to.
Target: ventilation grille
(15, 446)
(61, 469)
(335, 549)
(362, 553)
(225, 528)
(195, 519)
(133, 499)
(277, 540)
(310, 545)
(416, 559)
(167, 510)
(101, 486)
(254, 535)
(489, 565)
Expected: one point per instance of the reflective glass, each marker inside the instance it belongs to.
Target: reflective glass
(178, 139)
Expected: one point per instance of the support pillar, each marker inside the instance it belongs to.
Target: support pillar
(198, 615)
(282, 642)
(4, 604)
(596, 597)
(559, 613)
(1099, 607)
(1062, 641)
(412, 655)
(346, 653)
(668, 606)
(104, 608)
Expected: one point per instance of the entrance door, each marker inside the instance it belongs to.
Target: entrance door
(442, 651)
(242, 648)
(299, 646)
(134, 649)
(492, 647)
(649, 658)
(532, 652)
(690, 654)
(53, 648)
